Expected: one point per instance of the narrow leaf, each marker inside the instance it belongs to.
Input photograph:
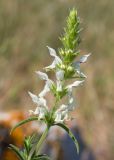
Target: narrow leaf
(70, 134)
(27, 145)
(23, 122)
(17, 151)
(42, 157)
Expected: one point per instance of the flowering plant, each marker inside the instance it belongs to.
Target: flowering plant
(65, 67)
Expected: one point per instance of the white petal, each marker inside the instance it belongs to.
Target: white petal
(56, 61)
(37, 110)
(61, 116)
(52, 51)
(71, 100)
(76, 65)
(72, 104)
(65, 115)
(59, 86)
(52, 66)
(75, 84)
(50, 83)
(63, 107)
(60, 75)
(81, 74)
(53, 54)
(42, 75)
(42, 102)
(34, 98)
(45, 90)
(41, 113)
(58, 117)
(84, 58)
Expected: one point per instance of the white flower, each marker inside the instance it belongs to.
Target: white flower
(61, 116)
(70, 106)
(76, 65)
(71, 100)
(39, 111)
(62, 113)
(41, 108)
(56, 61)
(40, 101)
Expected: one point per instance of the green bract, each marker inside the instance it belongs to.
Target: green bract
(65, 67)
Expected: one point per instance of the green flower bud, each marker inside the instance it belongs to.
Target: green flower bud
(70, 69)
(62, 66)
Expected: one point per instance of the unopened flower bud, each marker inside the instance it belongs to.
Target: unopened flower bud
(62, 66)
(70, 69)
(62, 53)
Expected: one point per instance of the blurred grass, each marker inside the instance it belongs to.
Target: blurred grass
(27, 27)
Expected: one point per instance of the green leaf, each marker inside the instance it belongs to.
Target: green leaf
(23, 122)
(70, 134)
(41, 157)
(27, 144)
(17, 151)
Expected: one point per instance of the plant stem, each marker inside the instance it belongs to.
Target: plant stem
(43, 137)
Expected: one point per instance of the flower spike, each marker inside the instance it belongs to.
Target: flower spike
(64, 68)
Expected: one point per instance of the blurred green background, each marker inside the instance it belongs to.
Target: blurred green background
(27, 27)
